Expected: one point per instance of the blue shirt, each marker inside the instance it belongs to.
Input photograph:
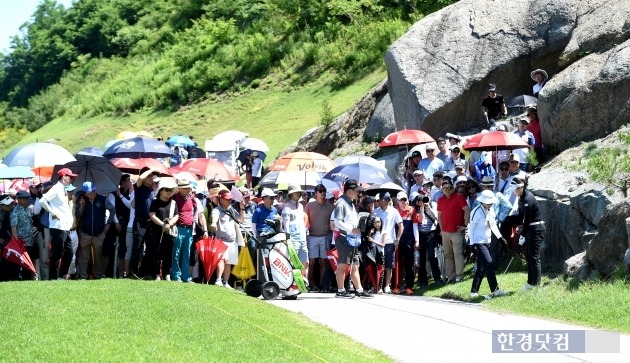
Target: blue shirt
(261, 214)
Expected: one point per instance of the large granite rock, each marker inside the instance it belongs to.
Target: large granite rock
(382, 121)
(439, 70)
(579, 268)
(587, 100)
(607, 250)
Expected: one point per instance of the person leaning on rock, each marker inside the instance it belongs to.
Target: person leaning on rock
(493, 105)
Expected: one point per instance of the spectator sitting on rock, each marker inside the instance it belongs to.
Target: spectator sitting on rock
(541, 77)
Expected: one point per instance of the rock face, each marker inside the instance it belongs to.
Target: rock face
(609, 246)
(626, 262)
(439, 70)
(578, 267)
(382, 122)
(587, 100)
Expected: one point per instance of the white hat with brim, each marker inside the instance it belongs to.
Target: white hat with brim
(487, 181)
(167, 183)
(533, 74)
(294, 189)
(267, 192)
(487, 197)
(6, 200)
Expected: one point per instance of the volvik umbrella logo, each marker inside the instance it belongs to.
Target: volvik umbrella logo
(14, 252)
(126, 145)
(312, 165)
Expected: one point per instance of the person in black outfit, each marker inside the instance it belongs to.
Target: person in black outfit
(493, 105)
(532, 227)
(143, 195)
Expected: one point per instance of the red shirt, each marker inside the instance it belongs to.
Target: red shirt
(534, 128)
(186, 209)
(452, 210)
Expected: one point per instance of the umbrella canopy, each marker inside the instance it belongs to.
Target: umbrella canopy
(389, 187)
(19, 184)
(38, 155)
(134, 166)
(254, 144)
(96, 169)
(91, 150)
(406, 137)
(196, 153)
(244, 268)
(332, 186)
(180, 140)
(281, 179)
(208, 167)
(138, 147)
(231, 136)
(522, 101)
(244, 154)
(352, 159)
(15, 172)
(210, 251)
(303, 161)
(494, 140)
(363, 173)
(15, 252)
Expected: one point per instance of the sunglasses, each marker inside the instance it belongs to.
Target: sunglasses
(403, 199)
(430, 150)
(454, 151)
(472, 187)
(168, 190)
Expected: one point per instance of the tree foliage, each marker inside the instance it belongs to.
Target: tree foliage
(120, 56)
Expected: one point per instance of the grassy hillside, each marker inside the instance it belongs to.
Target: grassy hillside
(279, 117)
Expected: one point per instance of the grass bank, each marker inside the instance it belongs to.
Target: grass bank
(130, 321)
(279, 117)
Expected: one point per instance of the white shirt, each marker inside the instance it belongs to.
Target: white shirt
(257, 168)
(56, 203)
(482, 225)
(293, 221)
(390, 219)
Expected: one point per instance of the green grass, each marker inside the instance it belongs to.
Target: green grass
(595, 304)
(130, 321)
(278, 117)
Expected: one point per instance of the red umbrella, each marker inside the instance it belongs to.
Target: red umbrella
(406, 137)
(134, 166)
(208, 167)
(15, 252)
(210, 251)
(494, 140)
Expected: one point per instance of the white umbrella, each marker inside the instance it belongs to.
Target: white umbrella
(231, 136)
(282, 179)
(38, 155)
(254, 144)
(359, 159)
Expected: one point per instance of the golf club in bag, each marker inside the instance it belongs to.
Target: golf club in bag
(275, 273)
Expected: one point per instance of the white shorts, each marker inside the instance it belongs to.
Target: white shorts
(231, 254)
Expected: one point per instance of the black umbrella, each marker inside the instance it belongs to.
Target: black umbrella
(96, 169)
(522, 101)
(137, 148)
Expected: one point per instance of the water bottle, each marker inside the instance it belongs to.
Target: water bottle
(416, 258)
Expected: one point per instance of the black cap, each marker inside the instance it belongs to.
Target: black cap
(350, 184)
(416, 153)
(22, 194)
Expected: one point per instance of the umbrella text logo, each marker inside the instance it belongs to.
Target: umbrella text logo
(126, 145)
(313, 165)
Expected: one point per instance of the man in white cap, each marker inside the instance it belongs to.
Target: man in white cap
(256, 169)
(418, 178)
(264, 211)
(528, 138)
(60, 219)
(293, 221)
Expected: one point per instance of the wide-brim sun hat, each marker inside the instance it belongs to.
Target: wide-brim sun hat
(294, 189)
(541, 71)
(487, 181)
(487, 197)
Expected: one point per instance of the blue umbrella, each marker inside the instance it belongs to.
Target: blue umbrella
(90, 150)
(137, 148)
(180, 140)
(363, 173)
(16, 172)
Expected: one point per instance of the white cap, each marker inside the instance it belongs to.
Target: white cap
(461, 179)
(401, 195)
(267, 192)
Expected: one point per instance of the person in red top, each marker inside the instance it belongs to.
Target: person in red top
(453, 216)
(408, 239)
(185, 201)
(534, 128)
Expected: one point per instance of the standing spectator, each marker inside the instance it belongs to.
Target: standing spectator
(43, 237)
(8, 270)
(22, 227)
(443, 154)
(56, 203)
(163, 214)
(186, 206)
(125, 217)
(412, 164)
(143, 194)
(528, 137)
(493, 105)
(346, 220)
(482, 227)
(73, 234)
(502, 208)
(319, 236)
(453, 216)
(427, 241)
(436, 191)
(265, 211)
(391, 220)
(534, 128)
(248, 170)
(418, 178)
(224, 226)
(408, 239)
(293, 221)
(532, 227)
(540, 77)
(483, 166)
(92, 212)
(455, 159)
(256, 169)
(430, 164)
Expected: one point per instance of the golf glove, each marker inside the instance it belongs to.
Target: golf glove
(521, 240)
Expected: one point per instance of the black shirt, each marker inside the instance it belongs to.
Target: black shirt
(494, 106)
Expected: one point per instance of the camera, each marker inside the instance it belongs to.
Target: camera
(425, 200)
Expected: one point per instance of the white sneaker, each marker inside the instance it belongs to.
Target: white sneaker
(158, 278)
(227, 286)
(168, 278)
(219, 283)
(499, 292)
(387, 290)
(473, 295)
(527, 287)
(458, 279)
